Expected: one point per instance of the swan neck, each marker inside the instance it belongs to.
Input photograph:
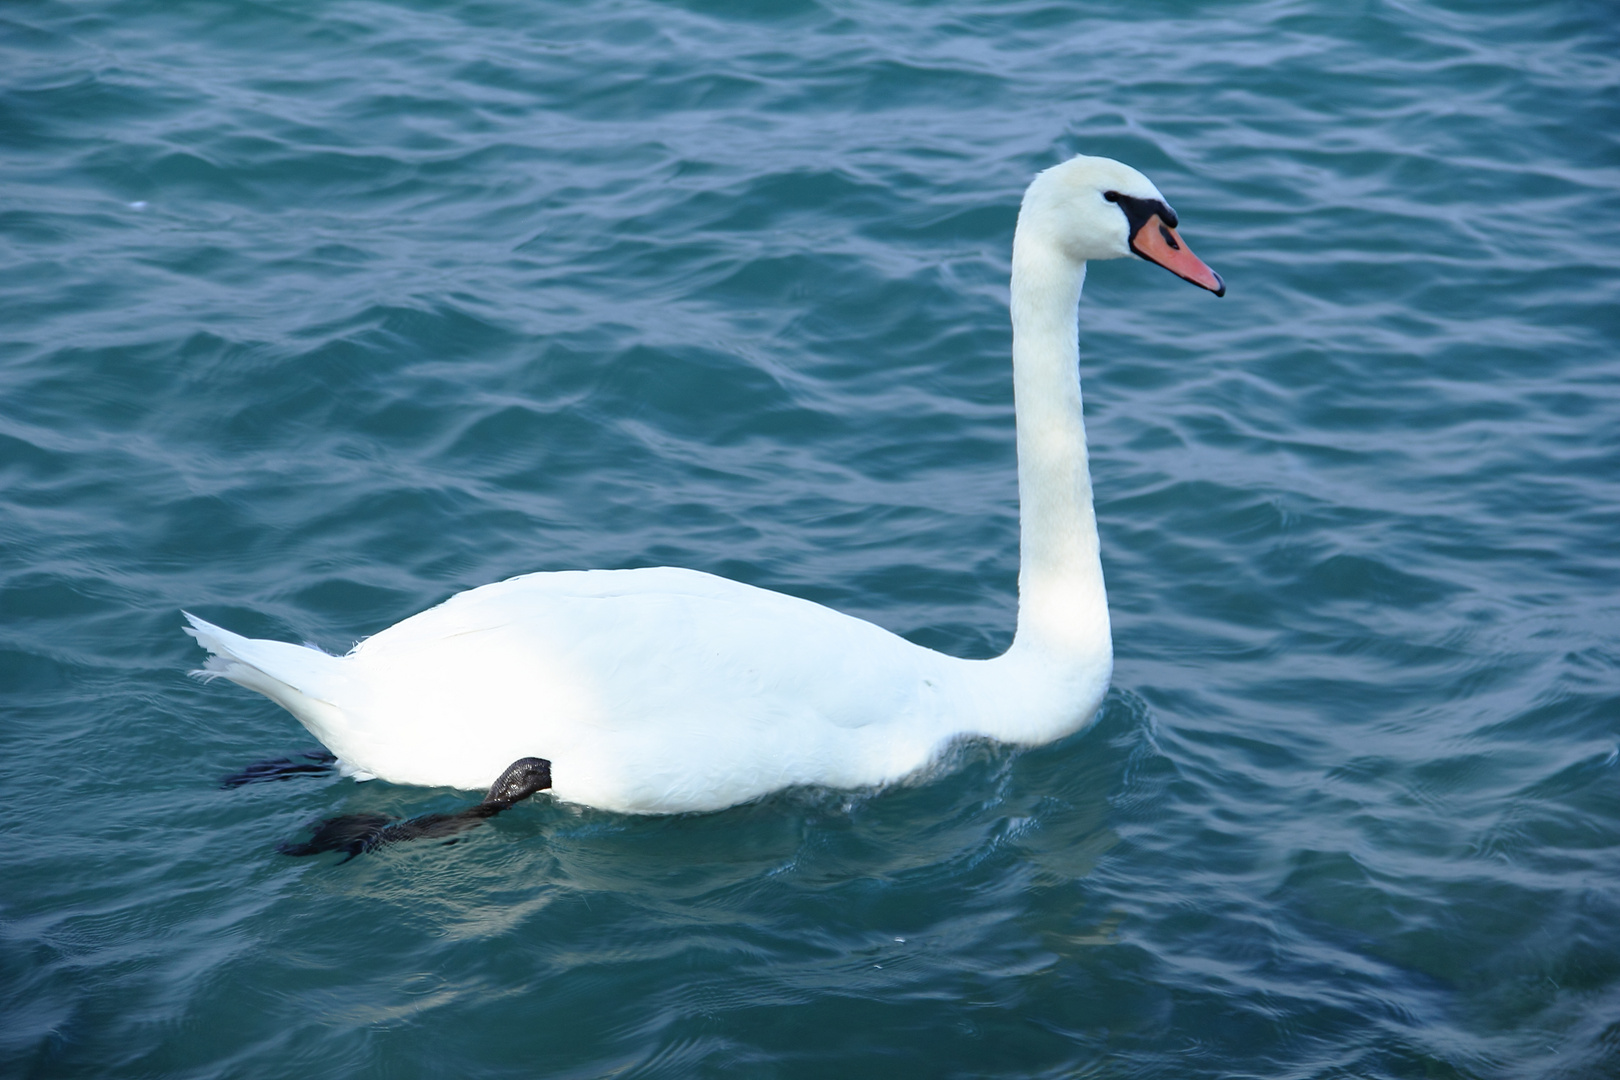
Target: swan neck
(1062, 605)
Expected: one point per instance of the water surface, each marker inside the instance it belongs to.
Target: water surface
(316, 314)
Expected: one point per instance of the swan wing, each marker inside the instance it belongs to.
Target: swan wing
(650, 690)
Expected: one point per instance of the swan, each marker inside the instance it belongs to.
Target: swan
(664, 690)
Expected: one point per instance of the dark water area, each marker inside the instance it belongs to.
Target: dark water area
(316, 314)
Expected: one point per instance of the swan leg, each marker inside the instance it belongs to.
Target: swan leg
(352, 833)
(283, 768)
(357, 833)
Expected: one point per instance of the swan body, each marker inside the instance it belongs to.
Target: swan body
(664, 690)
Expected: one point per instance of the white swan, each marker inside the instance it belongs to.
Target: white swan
(665, 690)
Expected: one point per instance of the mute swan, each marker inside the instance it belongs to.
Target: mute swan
(665, 690)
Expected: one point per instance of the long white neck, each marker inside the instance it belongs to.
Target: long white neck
(1054, 676)
(1062, 605)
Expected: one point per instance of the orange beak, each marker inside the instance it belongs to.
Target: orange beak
(1157, 242)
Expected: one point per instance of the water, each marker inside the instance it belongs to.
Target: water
(315, 314)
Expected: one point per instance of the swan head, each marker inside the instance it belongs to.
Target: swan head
(1097, 208)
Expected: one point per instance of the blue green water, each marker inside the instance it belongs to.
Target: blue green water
(313, 314)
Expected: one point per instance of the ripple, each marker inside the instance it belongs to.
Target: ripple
(319, 315)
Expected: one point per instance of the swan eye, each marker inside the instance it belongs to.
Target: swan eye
(1138, 210)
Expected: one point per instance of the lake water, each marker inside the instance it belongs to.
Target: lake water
(317, 313)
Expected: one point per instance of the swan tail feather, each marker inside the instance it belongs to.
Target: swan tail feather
(300, 678)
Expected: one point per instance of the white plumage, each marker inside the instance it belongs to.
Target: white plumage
(665, 690)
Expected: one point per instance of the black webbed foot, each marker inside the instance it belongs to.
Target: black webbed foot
(281, 768)
(356, 833)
